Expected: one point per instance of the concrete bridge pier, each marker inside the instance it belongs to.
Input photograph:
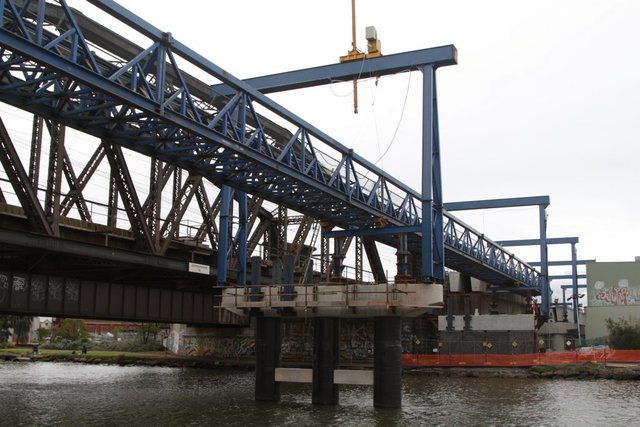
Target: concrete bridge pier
(268, 342)
(387, 367)
(328, 303)
(326, 347)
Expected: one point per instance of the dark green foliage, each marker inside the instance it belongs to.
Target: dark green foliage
(70, 330)
(111, 345)
(20, 325)
(149, 332)
(125, 346)
(43, 334)
(623, 334)
(62, 344)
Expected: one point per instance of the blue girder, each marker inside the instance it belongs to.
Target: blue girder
(469, 251)
(144, 103)
(465, 246)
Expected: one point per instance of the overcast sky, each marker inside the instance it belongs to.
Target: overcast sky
(544, 101)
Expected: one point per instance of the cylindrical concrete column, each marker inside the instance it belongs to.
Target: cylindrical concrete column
(326, 336)
(387, 367)
(268, 342)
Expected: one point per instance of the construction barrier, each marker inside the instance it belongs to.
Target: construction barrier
(520, 360)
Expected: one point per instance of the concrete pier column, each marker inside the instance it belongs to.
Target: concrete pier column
(326, 335)
(268, 342)
(387, 367)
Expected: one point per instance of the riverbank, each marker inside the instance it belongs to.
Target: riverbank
(582, 371)
(158, 358)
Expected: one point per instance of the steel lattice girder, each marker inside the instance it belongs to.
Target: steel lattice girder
(222, 147)
(464, 247)
(145, 105)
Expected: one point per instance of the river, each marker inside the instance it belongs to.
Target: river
(66, 394)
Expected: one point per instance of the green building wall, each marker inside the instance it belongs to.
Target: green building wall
(613, 291)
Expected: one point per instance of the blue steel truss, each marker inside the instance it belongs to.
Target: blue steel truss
(145, 104)
(463, 240)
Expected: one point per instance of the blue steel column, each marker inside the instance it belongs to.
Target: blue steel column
(402, 256)
(288, 278)
(432, 235)
(544, 265)
(338, 257)
(241, 198)
(574, 289)
(223, 240)
(438, 215)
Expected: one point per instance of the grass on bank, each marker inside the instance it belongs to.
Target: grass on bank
(96, 354)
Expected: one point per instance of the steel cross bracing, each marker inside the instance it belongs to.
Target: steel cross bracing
(144, 102)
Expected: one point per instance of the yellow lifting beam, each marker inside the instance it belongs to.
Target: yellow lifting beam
(373, 50)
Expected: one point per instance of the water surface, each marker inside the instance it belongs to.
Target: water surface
(66, 394)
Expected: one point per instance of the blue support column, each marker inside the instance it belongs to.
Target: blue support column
(431, 199)
(223, 240)
(256, 277)
(574, 285)
(338, 257)
(427, 157)
(402, 255)
(438, 220)
(241, 236)
(544, 262)
(288, 278)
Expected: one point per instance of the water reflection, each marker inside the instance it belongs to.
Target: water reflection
(61, 394)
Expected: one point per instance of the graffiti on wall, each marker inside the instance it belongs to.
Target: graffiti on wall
(613, 295)
(214, 346)
(174, 342)
(356, 342)
(297, 341)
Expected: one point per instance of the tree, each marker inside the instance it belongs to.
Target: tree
(623, 335)
(21, 326)
(150, 330)
(43, 334)
(71, 330)
(4, 329)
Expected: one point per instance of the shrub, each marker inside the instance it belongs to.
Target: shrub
(126, 346)
(63, 344)
(70, 330)
(623, 335)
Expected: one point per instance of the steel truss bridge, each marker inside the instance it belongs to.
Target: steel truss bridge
(212, 144)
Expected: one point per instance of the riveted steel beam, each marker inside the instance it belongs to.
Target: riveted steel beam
(497, 203)
(347, 71)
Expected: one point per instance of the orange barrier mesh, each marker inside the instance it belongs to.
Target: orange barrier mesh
(533, 359)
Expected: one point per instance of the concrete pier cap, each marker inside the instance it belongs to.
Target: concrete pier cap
(336, 300)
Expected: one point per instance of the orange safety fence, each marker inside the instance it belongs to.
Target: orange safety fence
(532, 359)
